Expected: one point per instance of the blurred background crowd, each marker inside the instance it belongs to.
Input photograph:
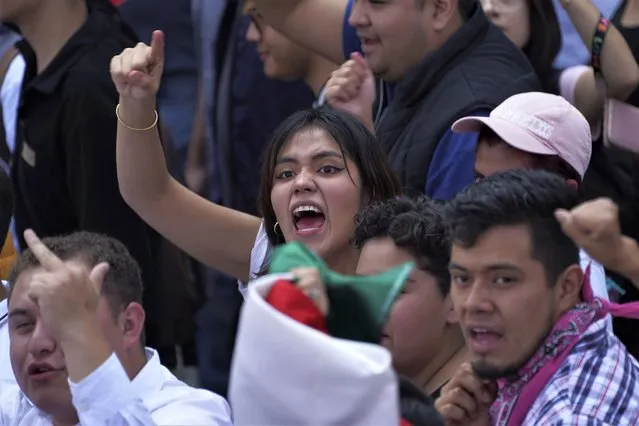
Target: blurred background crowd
(234, 70)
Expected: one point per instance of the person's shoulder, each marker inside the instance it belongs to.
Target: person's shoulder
(90, 69)
(498, 62)
(176, 403)
(608, 364)
(11, 398)
(89, 81)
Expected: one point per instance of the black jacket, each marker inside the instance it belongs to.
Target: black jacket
(477, 68)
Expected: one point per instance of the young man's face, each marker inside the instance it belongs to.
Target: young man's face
(495, 156)
(416, 326)
(504, 302)
(395, 34)
(36, 357)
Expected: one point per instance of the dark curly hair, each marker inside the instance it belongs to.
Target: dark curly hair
(414, 224)
(517, 197)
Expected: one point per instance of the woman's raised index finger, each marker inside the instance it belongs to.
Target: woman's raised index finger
(157, 46)
(47, 259)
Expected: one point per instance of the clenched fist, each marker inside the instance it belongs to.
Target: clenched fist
(310, 282)
(466, 399)
(594, 226)
(137, 71)
(351, 88)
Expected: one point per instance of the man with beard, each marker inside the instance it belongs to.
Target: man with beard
(540, 352)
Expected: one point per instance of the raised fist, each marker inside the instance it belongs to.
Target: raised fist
(137, 71)
(594, 227)
(351, 88)
(310, 282)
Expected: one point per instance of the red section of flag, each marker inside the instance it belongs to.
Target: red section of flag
(117, 2)
(290, 300)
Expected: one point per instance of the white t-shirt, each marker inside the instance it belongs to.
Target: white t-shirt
(259, 253)
(598, 281)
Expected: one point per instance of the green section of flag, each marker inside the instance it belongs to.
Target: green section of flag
(359, 305)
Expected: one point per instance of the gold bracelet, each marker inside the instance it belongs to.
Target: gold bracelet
(155, 122)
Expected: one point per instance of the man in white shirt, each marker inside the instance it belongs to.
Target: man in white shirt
(76, 328)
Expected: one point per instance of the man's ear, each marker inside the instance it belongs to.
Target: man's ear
(568, 287)
(132, 320)
(442, 11)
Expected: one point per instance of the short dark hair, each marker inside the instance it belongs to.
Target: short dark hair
(6, 205)
(123, 282)
(518, 197)
(414, 224)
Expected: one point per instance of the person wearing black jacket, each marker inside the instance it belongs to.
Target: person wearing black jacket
(63, 166)
(439, 60)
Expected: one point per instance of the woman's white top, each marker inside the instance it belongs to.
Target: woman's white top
(259, 254)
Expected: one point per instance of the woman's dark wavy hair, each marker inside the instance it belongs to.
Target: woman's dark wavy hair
(378, 181)
(545, 39)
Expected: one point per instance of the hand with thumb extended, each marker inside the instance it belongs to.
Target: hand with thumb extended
(137, 71)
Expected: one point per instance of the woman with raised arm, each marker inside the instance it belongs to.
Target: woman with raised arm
(320, 168)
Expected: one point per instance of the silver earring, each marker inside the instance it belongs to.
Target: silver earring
(275, 228)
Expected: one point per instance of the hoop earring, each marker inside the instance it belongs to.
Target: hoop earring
(275, 228)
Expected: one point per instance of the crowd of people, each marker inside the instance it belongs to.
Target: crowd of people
(344, 212)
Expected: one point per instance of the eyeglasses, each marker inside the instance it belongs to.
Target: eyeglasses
(257, 20)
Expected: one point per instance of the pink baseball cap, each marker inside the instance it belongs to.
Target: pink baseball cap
(539, 123)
